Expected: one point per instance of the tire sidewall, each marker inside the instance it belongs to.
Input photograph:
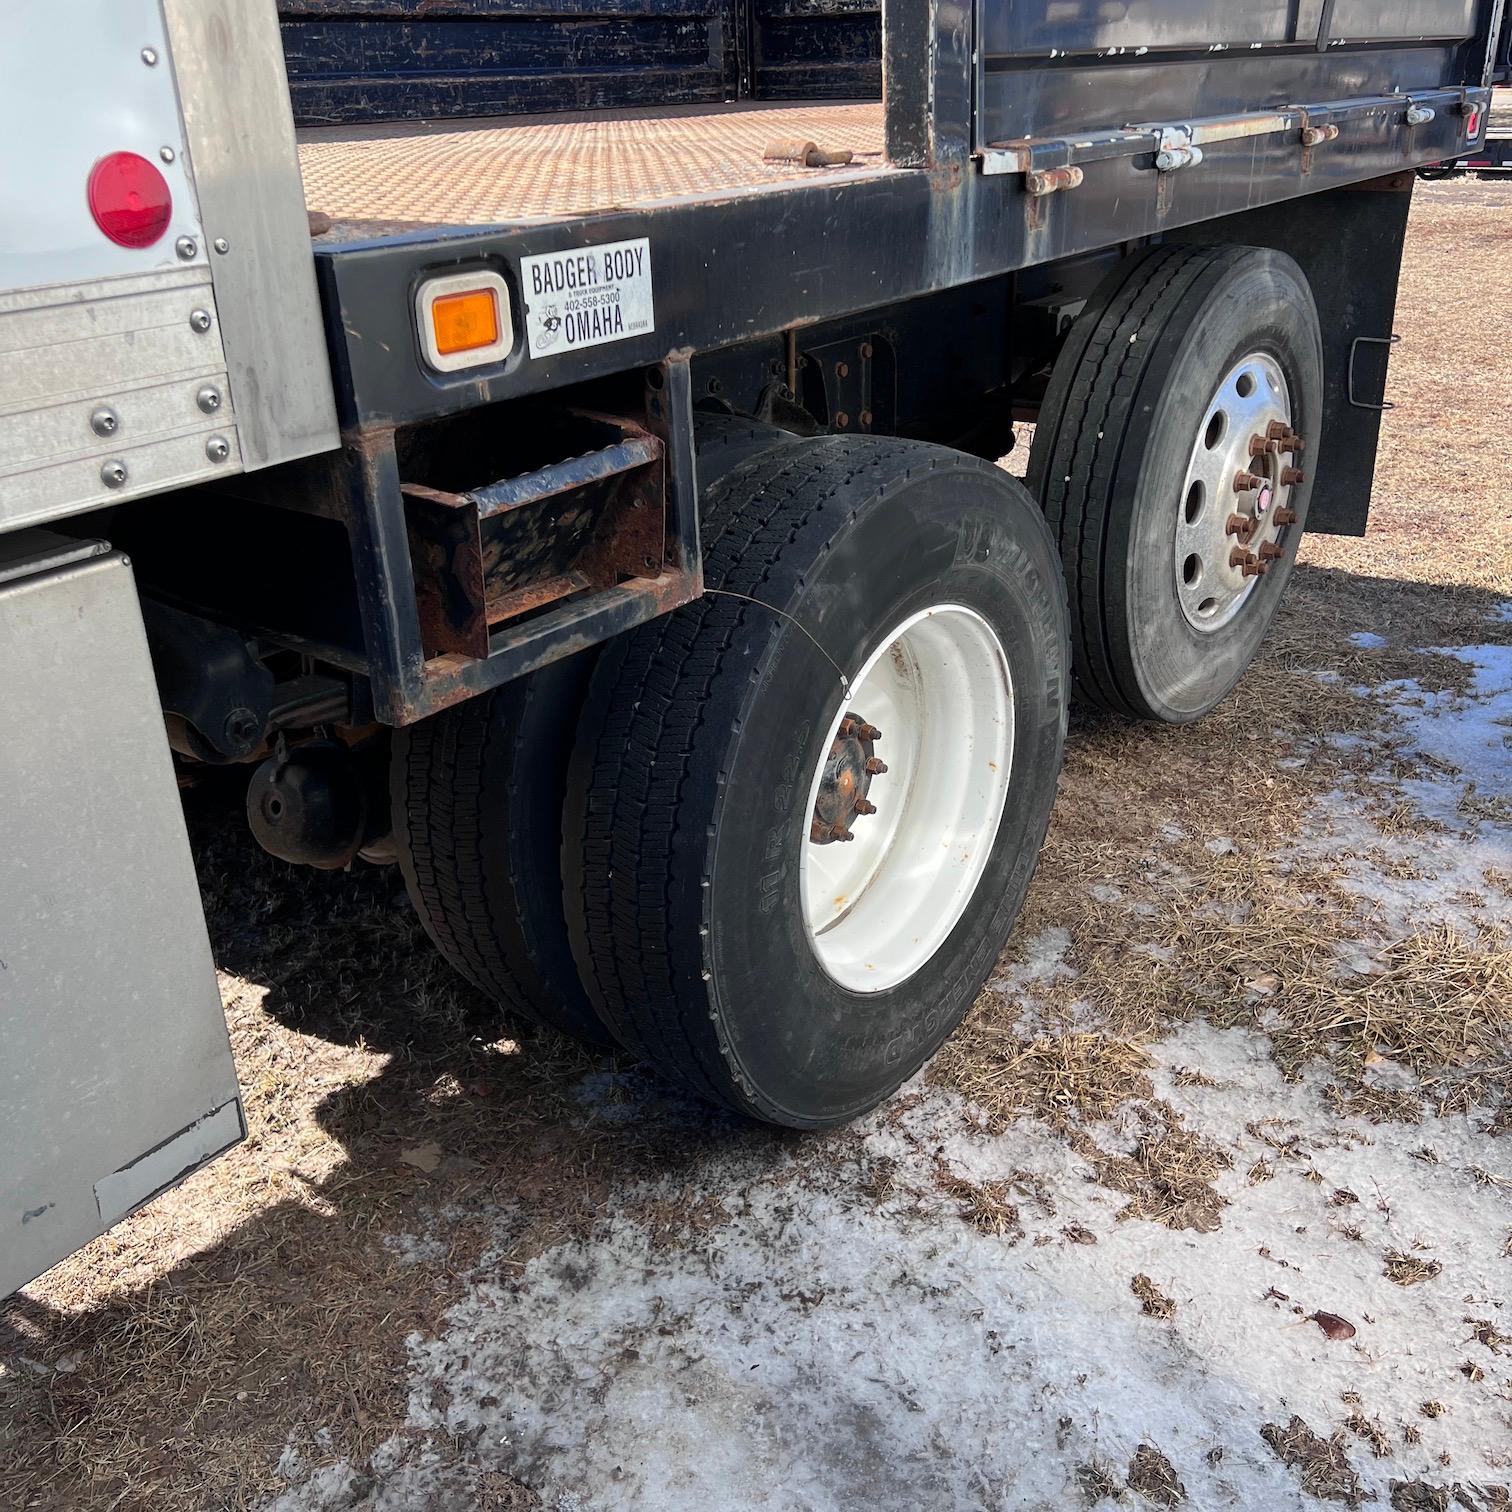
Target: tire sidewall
(805, 1050)
(1261, 304)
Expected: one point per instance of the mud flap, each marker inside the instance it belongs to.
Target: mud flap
(116, 1079)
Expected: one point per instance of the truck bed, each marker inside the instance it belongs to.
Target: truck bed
(400, 177)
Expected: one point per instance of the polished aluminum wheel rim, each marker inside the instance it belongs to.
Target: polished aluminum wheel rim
(1234, 507)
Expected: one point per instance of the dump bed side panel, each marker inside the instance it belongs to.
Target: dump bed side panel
(373, 60)
(815, 49)
(368, 60)
(1053, 70)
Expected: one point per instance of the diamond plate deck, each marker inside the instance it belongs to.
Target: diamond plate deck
(401, 177)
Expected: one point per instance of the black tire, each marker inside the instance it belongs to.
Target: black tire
(726, 442)
(686, 799)
(1432, 173)
(477, 796)
(477, 793)
(1111, 450)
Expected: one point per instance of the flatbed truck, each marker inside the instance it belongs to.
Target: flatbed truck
(552, 448)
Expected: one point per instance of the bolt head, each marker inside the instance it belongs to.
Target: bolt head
(217, 448)
(113, 474)
(167, 154)
(186, 247)
(208, 399)
(221, 245)
(242, 728)
(150, 57)
(104, 421)
(199, 320)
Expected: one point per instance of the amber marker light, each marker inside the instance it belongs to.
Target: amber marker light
(464, 320)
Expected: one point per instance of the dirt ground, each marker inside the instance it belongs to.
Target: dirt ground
(1208, 1204)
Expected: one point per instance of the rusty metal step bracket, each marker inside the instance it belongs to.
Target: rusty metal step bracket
(507, 549)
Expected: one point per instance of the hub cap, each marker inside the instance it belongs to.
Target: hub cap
(1235, 505)
(905, 804)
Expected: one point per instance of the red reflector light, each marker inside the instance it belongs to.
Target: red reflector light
(1472, 122)
(129, 199)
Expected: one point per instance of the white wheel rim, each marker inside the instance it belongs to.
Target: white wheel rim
(1219, 562)
(878, 907)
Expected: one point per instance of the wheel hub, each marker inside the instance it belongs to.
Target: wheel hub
(1235, 508)
(846, 781)
(877, 909)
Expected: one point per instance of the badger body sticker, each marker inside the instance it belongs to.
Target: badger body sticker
(587, 296)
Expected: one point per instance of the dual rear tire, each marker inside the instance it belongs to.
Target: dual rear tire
(696, 892)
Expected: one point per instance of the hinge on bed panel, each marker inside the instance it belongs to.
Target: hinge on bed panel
(1177, 149)
(1042, 181)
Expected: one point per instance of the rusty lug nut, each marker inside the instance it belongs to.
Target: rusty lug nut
(838, 831)
(841, 420)
(865, 806)
(1291, 476)
(1238, 525)
(1255, 569)
(847, 728)
(875, 766)
(1276, 429)
(1284, 516)
(1239, 557)
(1270, 552)
(1293, 443)
(818, 830)
(1247, 482)
(869, 732)
(1259, 446)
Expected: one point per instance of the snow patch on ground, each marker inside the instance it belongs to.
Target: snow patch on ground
(415, 1249)
(827, 1349)
(1462, 742)
(1043, 961)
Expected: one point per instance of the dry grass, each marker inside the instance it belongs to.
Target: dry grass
(1439, 1005)
(1166, 1176)
(1410, 1270)
(1153, 1302)
(1321, 1464)
(1371, 1432)
(1152, 1476)
(1484, 1331)
(986, 1205)
(1055, 1076)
